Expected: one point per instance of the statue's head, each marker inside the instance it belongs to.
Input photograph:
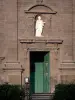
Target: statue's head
(39, 17)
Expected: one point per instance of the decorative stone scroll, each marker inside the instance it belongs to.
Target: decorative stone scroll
(1, 58)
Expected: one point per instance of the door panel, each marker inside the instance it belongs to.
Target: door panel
(46, 73)
(39, 77)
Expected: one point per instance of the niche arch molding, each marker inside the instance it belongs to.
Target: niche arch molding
(40, 9)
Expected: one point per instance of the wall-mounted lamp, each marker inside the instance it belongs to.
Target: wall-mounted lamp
(26, 80)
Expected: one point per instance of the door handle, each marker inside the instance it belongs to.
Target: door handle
(46, 74)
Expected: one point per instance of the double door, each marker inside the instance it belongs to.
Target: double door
(39, 77)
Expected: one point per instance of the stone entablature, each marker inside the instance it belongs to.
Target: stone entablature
(40, 44)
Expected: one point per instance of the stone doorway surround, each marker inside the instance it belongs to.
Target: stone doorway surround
(42, 44)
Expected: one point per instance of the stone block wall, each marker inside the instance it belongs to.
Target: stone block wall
(15, 24)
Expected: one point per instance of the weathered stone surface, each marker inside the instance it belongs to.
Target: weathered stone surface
(16, 25)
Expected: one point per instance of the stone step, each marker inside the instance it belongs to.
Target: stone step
(41, 96)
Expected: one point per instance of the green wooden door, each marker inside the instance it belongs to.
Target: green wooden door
(39, 74)
(39, 77)
(46, 73)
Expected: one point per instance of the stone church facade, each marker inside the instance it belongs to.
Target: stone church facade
(46, 60)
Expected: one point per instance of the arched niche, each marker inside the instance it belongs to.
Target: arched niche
(45, 12)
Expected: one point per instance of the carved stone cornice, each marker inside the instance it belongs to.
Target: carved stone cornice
(50, 41)
(67, 66)
(13, 69)
(40, 12)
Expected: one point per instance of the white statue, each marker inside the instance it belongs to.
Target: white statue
(39, 26)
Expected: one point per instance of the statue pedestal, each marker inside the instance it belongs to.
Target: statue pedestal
(39, 36)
